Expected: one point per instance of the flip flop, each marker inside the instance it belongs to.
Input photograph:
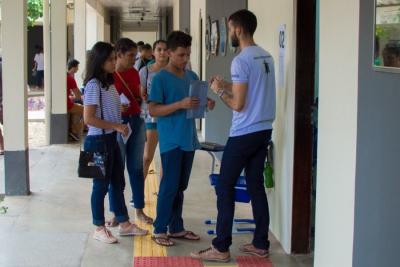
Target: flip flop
(187, 235)
(162, 241)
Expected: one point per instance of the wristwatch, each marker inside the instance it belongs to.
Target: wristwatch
(220, 92)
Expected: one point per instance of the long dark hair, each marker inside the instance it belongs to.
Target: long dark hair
(98, 55)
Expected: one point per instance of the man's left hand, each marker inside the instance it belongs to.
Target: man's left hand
(217, 85)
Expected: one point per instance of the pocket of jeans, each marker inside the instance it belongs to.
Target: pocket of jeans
(94, 144)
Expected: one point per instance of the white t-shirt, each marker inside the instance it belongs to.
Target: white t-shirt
(39, 59)
(255, 67)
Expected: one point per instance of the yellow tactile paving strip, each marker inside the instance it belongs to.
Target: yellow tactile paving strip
(144, 246)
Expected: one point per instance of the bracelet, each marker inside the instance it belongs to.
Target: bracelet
(221, 92)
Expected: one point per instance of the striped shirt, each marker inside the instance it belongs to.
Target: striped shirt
(110, 101)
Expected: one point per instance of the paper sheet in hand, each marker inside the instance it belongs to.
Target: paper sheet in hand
(198, 89)
(125, 138)
(124, 99)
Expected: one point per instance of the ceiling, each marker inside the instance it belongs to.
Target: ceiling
(137, 14)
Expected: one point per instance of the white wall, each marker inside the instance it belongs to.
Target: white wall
(197, 10)
(175, 6)
(91, 26)
(270, 14)
(100, 27)
(107, 32)
(146, 37)
(337, 132)
(96, 23)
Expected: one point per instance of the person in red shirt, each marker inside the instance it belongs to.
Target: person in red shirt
(74, 110)
(127, 82)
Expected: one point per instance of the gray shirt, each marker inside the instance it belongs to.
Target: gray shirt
(146, 76)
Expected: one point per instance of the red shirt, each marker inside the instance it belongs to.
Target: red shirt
(131, 78)
(71, 84)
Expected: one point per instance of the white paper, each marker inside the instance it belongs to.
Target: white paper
(124, 99)
(126, 137)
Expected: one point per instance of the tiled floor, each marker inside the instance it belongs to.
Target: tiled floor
(52, 227)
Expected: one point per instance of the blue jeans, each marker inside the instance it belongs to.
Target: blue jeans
(246, 152)
(132, 154)
(114, 181)
(177, 165)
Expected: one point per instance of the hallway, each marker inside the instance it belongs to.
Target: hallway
(52, 226)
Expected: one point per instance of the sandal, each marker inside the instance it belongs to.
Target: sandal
(144, 218)
(112, 223)
(252, 250)
(187, 235)
(162, 241)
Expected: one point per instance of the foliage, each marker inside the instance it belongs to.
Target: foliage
(35, 11)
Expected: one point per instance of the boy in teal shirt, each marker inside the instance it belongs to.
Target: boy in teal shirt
(169, 99)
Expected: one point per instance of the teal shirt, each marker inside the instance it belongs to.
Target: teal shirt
(174, 130)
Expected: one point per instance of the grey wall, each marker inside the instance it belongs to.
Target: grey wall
(377, 216)
(218, 122)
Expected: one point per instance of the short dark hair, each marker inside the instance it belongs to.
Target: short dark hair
(39, 48)
(124, 45)
(245, 19)
(146, 47)
(159, 42)
(140, 43)
(98, 55)
(178, 39)
(72, 63)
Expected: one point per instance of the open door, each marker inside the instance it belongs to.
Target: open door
(305, 127)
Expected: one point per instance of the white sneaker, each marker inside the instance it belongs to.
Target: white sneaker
(104, 235)
(133, 229)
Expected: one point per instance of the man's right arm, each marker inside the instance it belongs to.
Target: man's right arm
(161, 110)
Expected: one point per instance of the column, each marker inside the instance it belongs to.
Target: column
(80, 38)
(47, 67)
(14, 46)
(59, 116)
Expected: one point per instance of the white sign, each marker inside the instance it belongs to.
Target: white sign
(282, 56)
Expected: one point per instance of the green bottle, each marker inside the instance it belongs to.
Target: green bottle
(268, 176)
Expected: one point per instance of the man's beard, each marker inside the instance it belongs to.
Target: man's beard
(235, 41)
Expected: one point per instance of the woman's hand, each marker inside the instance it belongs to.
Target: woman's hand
(122, 128)
(124, 107)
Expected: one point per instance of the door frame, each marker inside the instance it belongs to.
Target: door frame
(303, 134)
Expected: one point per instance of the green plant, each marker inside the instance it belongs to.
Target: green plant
(35, 11)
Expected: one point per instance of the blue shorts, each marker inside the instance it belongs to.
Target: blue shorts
(151, 125)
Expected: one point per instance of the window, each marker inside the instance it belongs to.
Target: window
(387, 35)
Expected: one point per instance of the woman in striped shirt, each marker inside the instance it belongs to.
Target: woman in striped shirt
(102, 114)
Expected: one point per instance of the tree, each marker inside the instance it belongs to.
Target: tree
(35, 11)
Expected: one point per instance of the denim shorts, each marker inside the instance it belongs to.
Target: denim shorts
(151, 125)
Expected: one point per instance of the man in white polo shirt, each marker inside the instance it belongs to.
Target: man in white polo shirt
(251, 96)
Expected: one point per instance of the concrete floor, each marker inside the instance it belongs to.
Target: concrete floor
(52, 226)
